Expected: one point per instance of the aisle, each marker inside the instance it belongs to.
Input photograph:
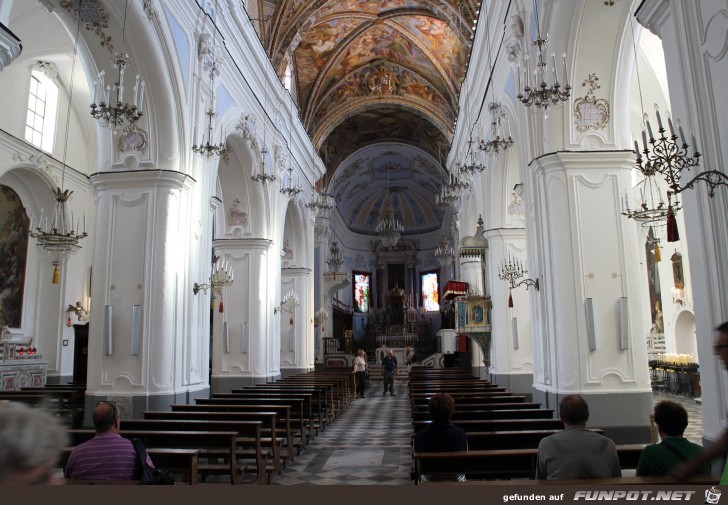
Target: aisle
(368, 444)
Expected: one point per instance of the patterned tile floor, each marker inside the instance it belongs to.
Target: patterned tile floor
(369, 444)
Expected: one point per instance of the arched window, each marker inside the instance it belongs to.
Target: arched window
(40, 119)
(287, 77)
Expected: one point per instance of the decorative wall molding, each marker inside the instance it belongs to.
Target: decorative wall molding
(590, 112)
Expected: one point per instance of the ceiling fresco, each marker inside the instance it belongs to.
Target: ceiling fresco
(376, 74)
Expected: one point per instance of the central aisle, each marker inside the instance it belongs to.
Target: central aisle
(369, 444)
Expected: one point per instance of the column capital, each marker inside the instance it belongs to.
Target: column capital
(134, 179)
(653, 14)
(584, 160)
(237, 244)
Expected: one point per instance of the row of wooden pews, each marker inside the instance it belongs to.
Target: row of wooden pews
(65, 401)
(503, 429)
(248, 435)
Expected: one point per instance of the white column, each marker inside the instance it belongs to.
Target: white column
(141, 241)
(242, 356)
(448, 341)
(511, 359)
(294, 338)
(693, 38)
(587, 255)
(321, 250)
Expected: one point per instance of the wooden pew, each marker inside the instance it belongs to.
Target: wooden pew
(322, 395)
(68, 404)
(313, 397)
(298, 419)
(177, 461)
(459, 415)
(210, 443)
(499, 424)
(498, 464)
(521, 439)
(464, 406)
(281, 423)
(248, 443)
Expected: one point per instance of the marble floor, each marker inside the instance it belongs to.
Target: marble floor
(369, 444)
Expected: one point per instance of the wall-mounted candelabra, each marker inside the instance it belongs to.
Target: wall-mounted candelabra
(511, 271)
(320, 316)
(290, 301)
(221, 277)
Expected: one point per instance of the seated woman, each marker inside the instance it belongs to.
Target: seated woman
(441, 435)
(671, 419)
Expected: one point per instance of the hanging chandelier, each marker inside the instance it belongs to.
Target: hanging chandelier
(291, 189)
(473, 165)
(458, 182)
(447, 197)
(444, 254)
(498, 142)
(389, 228)
(57, 236)
(652, 210)
(321, 202)
(112, 111)
(538, 94)
(335, 258)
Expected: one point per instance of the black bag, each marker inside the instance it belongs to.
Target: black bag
(149, 475)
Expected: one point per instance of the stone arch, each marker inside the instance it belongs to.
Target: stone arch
(685, 337)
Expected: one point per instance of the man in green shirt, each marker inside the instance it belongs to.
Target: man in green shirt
(671, 419)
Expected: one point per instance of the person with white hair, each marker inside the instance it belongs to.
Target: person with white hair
(31, 441)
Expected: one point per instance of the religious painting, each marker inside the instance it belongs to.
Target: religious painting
(439, 38)
(653, 284)
(677, 270)
(362, 285)
(430, 286)
(14, 225)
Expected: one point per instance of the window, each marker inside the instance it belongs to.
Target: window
(40, 121)
(430, 287)
(362, 283)
(287, 77)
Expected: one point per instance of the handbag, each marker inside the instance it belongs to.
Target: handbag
(150, 475)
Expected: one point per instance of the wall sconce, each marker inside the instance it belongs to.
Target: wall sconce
(81, 313)
(511, 272)
(289, 302)
(221, 277)
(320, 316)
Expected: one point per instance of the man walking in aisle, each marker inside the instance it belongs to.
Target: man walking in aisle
(389, 370)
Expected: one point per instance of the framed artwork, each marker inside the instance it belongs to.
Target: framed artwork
(14, 227)
(362, 286)
(677, 270)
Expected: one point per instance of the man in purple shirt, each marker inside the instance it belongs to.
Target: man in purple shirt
(107, 456)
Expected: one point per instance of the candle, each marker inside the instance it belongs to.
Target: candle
(644, 140)
(518, 76)
(659, 119)
(636, 148)
(649, 130)
(682, 134)
(669, 123)
(566, 77)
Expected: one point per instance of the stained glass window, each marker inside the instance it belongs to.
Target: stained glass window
(362, 282)
(430, 292)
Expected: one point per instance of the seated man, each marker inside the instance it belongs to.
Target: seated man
(107, 456)
(441, 435)
(576, 453)
(671, 419)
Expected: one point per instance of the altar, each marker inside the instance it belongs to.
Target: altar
(22, 373)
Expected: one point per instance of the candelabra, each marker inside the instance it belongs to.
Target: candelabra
(389, 228)
(289, 302)
(458, 183)
(497, 144)
(290, 190)
(447, 197)
(222, 276)
(263, 176)
(473, 166)
(112, 111)
(666, 156)
(58, 237)
(444, 253)
(320, 316)
(208, 149)
(511, 271)
(652, 212)
(335, 259)
(321, 202)
(537, 94)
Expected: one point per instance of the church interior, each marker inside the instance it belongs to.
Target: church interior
(204, 197)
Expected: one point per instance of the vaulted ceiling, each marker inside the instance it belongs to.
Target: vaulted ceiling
(377, 83)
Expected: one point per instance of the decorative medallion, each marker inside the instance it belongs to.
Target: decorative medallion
(133, 139)
(591, 113)
(515, 208)
(237, 217)
(93, 16)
